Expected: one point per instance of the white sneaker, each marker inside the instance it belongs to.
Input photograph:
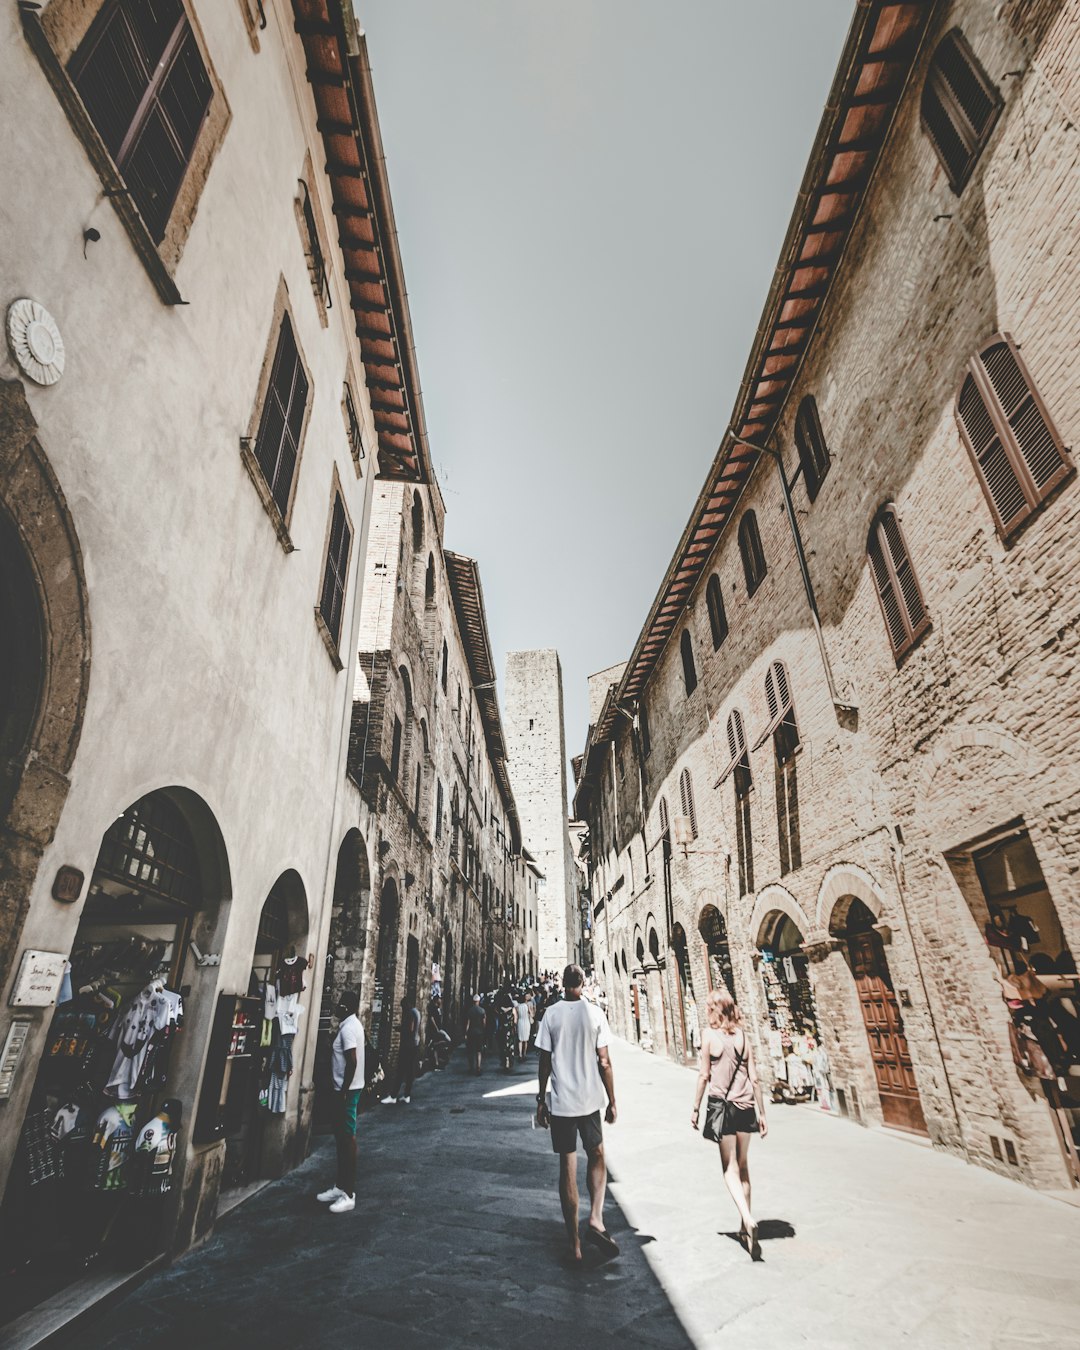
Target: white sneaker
(343, 1204)
(328, 1197)
(389, 1101)
(406, 1100)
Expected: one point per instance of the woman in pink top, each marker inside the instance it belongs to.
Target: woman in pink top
(726, 1068)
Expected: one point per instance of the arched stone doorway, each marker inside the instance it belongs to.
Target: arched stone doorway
(792, 1032)
(689, 1023)
(115, 1045)
(44, 658)
(901, 1106)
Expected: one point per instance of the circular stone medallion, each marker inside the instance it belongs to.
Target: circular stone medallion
(35, 341)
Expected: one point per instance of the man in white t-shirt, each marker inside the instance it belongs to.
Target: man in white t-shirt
(573, 1041)
(347, 1065)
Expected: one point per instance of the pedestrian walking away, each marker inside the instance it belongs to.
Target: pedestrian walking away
(735, 1109)
(505, 1011)
(475, 1029)
(347, 1069)
(523, 1010)
(573, 1044)
(408, 1054)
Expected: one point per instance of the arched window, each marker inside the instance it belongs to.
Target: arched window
(689, 669)
(686, 797)
(417, 523)
(960, 105)
(781, 709)
(753, 556)
(785, 737)
(739, 763)
(714, 602)
(443, 669)
(643, 729)
(810, 442)
(1014, 446)
(898, 590)
(740, 770)
(429, 581)
(665, 823)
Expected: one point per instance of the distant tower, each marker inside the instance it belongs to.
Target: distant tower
(536, 746)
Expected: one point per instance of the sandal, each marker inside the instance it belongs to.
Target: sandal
(599, 1237)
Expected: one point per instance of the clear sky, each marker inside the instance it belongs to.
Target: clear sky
(591, 196)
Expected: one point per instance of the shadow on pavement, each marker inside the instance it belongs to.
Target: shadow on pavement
(456, 1240)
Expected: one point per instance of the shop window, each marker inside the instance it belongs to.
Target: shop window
(902, 604)
(960, 107)
(793, 1034)
(1014, 446)
(753, 555)
(714, 602)
(686, 648)
(810, 442)
(142, 79)
(335, 576)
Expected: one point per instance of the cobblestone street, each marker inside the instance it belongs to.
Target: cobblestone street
(456, 1240)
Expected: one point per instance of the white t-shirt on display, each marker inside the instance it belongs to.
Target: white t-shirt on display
(350, 1037)
(573, 1030)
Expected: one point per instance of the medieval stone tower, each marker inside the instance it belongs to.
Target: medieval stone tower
(536, 746)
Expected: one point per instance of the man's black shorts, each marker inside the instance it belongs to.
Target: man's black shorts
(565, 1130)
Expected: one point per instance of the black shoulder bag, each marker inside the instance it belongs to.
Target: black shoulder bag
(717, 1109)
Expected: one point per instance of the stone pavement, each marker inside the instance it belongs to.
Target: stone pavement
(457, 1239)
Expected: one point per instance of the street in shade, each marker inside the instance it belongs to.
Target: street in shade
(868, 1238)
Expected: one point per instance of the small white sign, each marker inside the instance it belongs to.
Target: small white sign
(789, 971)
(38, 981)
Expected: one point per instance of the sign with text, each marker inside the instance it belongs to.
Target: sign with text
(38, 980)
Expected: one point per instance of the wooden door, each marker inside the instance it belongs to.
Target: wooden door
(900, 1104)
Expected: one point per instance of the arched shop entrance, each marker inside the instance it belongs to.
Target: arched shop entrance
(717, 953)
(112, 1103)
(382, 996)
(899, 1093)
(260, 1029)
(793, 1034)
(689, 1024)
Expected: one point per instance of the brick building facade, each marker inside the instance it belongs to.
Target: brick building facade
(839, 772)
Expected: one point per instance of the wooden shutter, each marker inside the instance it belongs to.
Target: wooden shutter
(277, 446)
(1016, 450)
(686, 795)
(664, 823)
(332, 600)
(960, 106)
(902, 604)
(714, 602)
(810, 443)
(142, 78)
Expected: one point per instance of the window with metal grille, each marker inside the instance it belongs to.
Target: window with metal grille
(352, 427)
(320, 282)
(1012, 441)
(902, 605)
(753, 556)
(689, 669)
(686, 797)
(151, 848)
(960, 105)
(142, 79)
(277, 444)
(810, 442)
(714, 603)
(335, 573)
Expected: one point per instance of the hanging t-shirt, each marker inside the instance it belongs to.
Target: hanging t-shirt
(350, 1036)
(572, 1031)
(155, 1151)
(288, 1013)
(290, 975)
(114, 1136)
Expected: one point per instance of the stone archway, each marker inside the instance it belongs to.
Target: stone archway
(43, 683)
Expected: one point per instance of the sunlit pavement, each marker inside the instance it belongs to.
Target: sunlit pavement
(457, 1240)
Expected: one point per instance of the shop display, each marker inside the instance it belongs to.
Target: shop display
(799, 1062)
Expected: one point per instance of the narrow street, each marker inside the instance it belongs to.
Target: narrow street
(869, 1239)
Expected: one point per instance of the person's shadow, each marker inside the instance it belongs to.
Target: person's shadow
(768, 1231)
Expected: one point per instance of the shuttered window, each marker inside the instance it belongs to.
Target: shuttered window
(686, 797)
(142, 78)
(740, 770)
(1013, 444)
(960, 106)
(902, 604)
(664, 822)
(810, 442)
(714, 602)
(277, 445)
(753, 556)
(782, 725)
(332, 600)
(689, 669)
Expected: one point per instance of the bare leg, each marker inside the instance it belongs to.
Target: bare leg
(568, 1194)
(742, 1152)
(597, 1179)
(730, 1163)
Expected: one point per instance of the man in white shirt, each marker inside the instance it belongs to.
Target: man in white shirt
(573, 1040)
(347, 1065)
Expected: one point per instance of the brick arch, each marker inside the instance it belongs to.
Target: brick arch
(840, 885)
(986, 737)
(773, 900)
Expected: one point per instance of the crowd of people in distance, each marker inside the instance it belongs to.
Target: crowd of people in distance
(503, 1022)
